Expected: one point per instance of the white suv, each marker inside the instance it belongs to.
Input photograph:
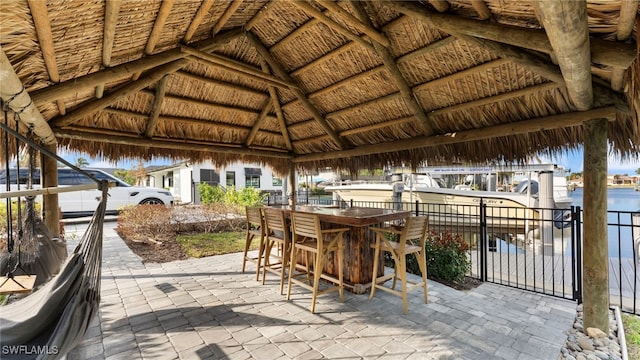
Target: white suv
(85, 202)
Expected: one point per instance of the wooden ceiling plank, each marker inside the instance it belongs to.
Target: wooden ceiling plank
(158, 25)
(118, 72)
(481, 8)
(161, 143)
(626, 21)
(277, 68)
(440, 5)
(333, 25)
(567, 27)
(267, 106)
(90, 107)
(226, 15)
(111, 11)
(156, 107)
(522, 127)
(602, 51)
(202, 12)
(275, 101)
(366, 29)
(238, 67)
(390, 63)
(42, 24)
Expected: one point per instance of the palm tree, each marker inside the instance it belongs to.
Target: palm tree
(81, 162)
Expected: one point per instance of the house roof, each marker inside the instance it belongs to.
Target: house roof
(322, 83)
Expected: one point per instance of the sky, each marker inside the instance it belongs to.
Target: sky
(572, 160)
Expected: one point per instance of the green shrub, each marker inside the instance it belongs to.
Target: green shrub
(241, 198)
(210, 194)
(447, 256)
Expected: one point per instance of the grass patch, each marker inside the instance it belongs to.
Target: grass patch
(631, 325)
(201, 245)
(2, 298)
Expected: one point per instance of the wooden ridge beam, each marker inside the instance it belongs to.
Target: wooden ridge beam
(333, 25)
(603, 52)
(111, 11)
(277, 68)
(626, 21)
(565, 23)
(42, 24)
(203, 11)
(73, 86)
(522, 127)
(390, 64)
(156, 107)
(160, 143)
(366, 29)
(238, 67)
(90, 107)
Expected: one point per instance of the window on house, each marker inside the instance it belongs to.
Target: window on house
(169, 179)
(209, 176)
(231, 178)
(276, 182)
(252, 181)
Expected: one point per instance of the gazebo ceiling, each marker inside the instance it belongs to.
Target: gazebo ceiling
(322, 83)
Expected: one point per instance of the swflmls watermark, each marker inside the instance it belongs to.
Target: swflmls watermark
(29, 350)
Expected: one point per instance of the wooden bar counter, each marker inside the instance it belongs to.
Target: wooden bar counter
(358, 254)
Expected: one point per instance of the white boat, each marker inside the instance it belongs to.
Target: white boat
(524, 203)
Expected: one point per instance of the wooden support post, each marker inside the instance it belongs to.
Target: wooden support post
(292, 180)
(596, 246)
(49, 178)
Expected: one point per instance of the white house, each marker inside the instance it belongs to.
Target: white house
(182, 179)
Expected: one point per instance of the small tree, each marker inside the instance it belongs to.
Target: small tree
(126, 176)
(81, 162)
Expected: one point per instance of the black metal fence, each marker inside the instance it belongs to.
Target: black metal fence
(535, 249)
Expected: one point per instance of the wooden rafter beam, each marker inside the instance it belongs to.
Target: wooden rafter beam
(366, 29)
(238, 67)
(603, 52)
(565, 23)
(224, 84)
(277, 68)
(16, 99)
(111, 11)
(82, 83)
(510, 129)
(392, 67)
(45, 40)
(257, 17)
(440, 5)
(158, 25)
(160, 143)
(481, 8)
(332, 24)
(267, 106)
(156, 107)
(226, 16)
(277, 108)
(202, 12)
(90, 107)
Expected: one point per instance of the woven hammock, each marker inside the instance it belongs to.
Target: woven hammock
(50, 322)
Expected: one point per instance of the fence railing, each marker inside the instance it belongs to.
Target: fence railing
(535, 249)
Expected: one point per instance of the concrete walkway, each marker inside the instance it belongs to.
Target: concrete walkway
(207, 309)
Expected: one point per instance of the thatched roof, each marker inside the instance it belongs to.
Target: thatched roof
(323, 83)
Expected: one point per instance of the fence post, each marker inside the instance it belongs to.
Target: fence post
(576, 235)
(417, 210)
(483, 241)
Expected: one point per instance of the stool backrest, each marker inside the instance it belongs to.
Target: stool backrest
(274, 220)
(307, 225)
(254, 217)
(414, 229)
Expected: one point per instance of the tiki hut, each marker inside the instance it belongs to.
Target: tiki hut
(347, 84)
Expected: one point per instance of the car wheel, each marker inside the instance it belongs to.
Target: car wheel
(151, 201)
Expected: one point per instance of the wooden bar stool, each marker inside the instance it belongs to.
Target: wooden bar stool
(399, 243)
(276, 235)
(309, 237)
(255, 227)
